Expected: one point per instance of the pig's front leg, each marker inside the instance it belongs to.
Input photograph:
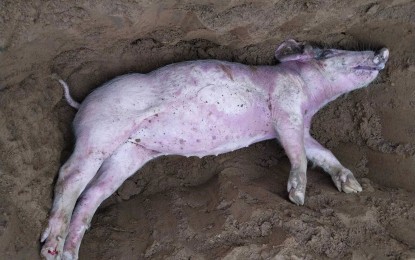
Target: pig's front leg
(342, 177)
(290, 130)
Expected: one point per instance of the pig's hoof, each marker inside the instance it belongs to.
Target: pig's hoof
(296, 196)
(296, 187)
(346, 182)
(50, 253)
(53, 247)
(69, 256)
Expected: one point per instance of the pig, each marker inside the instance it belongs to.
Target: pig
(199, 108)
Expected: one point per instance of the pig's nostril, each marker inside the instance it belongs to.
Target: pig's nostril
(384, 53)
(381, 57)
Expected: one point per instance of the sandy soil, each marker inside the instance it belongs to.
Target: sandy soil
(233, 206)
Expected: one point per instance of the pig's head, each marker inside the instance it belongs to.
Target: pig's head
(340, 69)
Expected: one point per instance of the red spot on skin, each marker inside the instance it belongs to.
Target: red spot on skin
(53, 252)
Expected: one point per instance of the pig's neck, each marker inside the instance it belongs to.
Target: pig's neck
(321, 91)
(321, 94)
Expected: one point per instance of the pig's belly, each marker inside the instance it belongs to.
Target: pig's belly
(200, 129)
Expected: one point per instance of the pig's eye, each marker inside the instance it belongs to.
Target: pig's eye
(325, 54)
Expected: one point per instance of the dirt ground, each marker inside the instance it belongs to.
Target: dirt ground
(233, 206)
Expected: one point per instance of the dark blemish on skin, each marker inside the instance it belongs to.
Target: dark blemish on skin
(227, 70)
(156, 114)
(214, 137)
(198, 140)
(181, 141)
(138, 140)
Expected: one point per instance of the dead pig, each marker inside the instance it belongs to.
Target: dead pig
(200, 108)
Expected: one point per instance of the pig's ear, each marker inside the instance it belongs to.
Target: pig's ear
(292, 50)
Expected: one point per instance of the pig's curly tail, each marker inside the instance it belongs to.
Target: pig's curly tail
(67, 94)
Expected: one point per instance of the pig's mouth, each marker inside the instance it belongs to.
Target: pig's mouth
(370, 68)
(360, 67)
(378, 61)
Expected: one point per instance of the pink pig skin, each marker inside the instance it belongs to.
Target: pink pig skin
(200, 108)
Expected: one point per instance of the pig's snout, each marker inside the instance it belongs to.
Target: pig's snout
(380, 58)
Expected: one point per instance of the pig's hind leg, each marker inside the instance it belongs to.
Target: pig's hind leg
(93, 145)
(123, 163)
(342, 177)
(74, 174)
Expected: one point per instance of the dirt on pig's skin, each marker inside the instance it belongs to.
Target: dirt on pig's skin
(233, 206)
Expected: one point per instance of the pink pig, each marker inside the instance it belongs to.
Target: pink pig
(200, 108)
